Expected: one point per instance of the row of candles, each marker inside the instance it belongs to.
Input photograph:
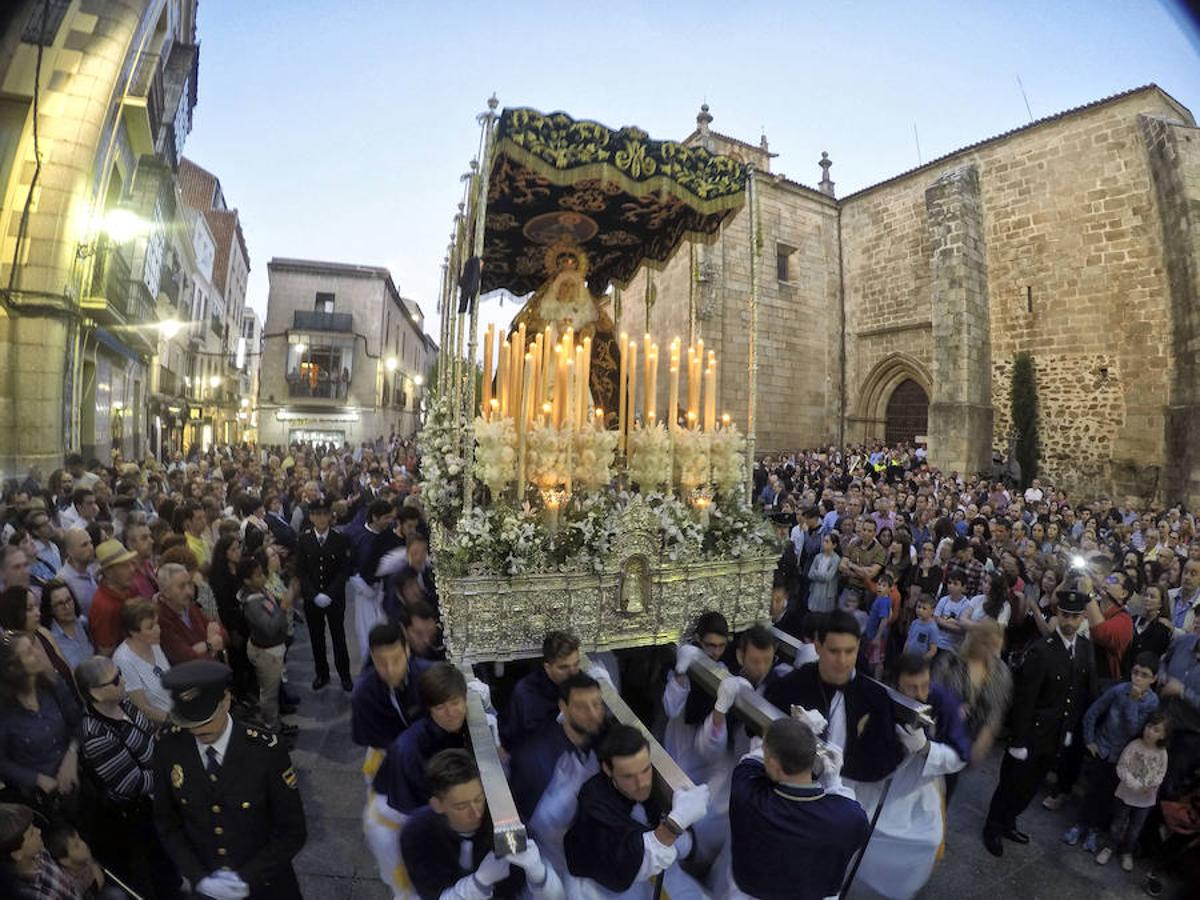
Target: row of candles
(547, 380)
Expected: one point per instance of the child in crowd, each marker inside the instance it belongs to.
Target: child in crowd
(74, 857)
(1141, 770)
(853, 602)
(953, 606)
(923, 634)
(876, 630)
(1115, 719)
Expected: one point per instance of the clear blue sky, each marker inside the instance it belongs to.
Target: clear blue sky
(339, 128)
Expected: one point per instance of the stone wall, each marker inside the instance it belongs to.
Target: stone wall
(1173, 153)
(1075, 275)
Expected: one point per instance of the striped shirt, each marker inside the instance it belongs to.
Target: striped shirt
(120, 753)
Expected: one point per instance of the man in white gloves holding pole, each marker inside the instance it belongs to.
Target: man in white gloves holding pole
(621, 840)
(447, 845)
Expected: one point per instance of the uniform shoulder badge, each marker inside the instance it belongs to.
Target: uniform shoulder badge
(265, 737)
(289, 777)
(177, 776)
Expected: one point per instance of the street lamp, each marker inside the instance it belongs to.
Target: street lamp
(391, 362)
(170, 328)
(418, 380)
(123, 225)
(245, 402)
(215, 381)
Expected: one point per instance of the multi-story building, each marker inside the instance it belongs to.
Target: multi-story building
(250, 356)
(344, 355)
(220, 375)
(96, 99)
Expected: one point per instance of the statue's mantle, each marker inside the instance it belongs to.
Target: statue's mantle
(640, 604)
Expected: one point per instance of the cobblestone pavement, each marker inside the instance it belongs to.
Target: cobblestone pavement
(336, 865)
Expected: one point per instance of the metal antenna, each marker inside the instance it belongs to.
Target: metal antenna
(917, 138)
(1025, 98)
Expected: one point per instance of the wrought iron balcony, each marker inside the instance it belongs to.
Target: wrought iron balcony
(322, 390)
(143, 104)
(108, 295)
(307, 320)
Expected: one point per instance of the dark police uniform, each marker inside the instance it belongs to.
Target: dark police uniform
(1052, 692)
(323, 568)
(248, 816)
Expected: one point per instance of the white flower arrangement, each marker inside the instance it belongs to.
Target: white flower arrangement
(441, 467)
(727, 457)
(650, 457)
(691, 458)
(546, 455)
(495, 454)
(591, 466)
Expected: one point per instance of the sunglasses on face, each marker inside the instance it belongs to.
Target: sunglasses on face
(115, 680)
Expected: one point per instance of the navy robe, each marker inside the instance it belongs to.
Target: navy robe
(605, 843)
(431, 854)
(401, 778)
(534, 702)
(872, 749)
(790, 842)
(375, 721)
(532, 766)
(951, 728)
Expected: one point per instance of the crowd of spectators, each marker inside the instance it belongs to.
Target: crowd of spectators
(969, 572)
(110, 575)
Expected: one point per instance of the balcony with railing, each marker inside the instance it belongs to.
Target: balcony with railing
(169, 383)
(308, 320)
(142, 106)
(108, 294)
(321, 389)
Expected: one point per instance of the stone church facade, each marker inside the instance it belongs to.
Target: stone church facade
(897, 310)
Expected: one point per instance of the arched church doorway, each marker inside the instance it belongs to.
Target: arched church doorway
(907, 413)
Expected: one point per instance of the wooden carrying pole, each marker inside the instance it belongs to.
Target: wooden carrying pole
(488, 123)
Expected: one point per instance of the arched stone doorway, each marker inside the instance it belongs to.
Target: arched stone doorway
(898, 376)
(907, 413)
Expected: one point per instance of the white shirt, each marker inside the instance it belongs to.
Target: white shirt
(1069, 643)
(139, 675)
(221, 744)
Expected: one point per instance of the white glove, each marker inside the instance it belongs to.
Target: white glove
(475, 686)
(813, 719)
(685, 655)
(530, 859)
(493, 726)
(600, 673)
(491, 870)
(689, 805)
(831, 765)
(912, 738)
(727, 692)
(1021, 753)
(323, 600)
(223, 885)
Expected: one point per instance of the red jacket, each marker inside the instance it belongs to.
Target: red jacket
(1113, 636)
(104, 619)
(179, 637)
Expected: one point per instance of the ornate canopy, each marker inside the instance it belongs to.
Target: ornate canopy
(621, 196)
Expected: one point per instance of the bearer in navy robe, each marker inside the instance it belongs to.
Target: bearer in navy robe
(399, 786)
(621, 840)
(447, 845)
(685, 708)
(904, 846)
(363, 586)
(792, 836)
(549, 768)
(535, 698)
(858, 712)
(385, 700)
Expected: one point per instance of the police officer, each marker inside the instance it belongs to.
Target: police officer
(225, 802)
(324, 561)
(1054, 686)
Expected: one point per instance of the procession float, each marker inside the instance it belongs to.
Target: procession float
(577, 476)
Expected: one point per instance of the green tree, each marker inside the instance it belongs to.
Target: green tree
(1025, 416)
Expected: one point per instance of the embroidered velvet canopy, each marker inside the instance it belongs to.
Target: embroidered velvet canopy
(619, 195)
